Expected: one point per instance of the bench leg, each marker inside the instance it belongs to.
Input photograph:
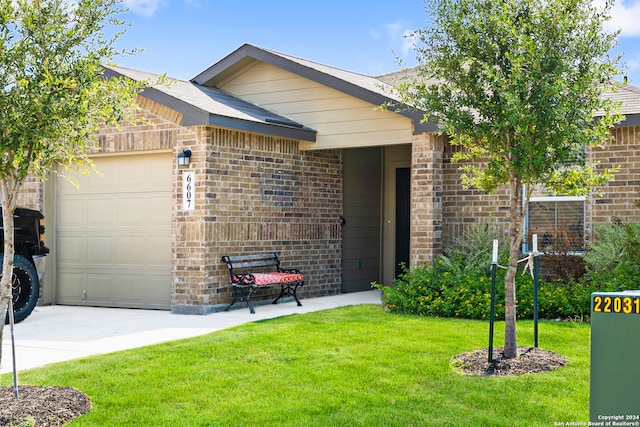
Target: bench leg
(294, 293)
(242, 293)
(251, 310)
(289, 290)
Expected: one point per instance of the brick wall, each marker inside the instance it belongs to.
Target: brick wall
(31, 194)
(426, 198)
(461, 207)
(257, 194)
(620, 195)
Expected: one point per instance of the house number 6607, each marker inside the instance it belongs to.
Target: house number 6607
(188, 191)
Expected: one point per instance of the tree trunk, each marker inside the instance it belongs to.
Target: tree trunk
(9, 188)
(515, 238)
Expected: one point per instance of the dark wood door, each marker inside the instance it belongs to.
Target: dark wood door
(403, 228)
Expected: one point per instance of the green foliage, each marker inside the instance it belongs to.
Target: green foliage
(453, 288)
(607, 249)
(476, 247)
(445, 291)
(353, 366)
(613, 257)
(53, 96)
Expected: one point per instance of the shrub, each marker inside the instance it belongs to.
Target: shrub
(439, 291)
(474, 250)
(613, 257)
(607, 249)
(459, 284)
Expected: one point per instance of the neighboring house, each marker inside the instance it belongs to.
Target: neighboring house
(288, 156)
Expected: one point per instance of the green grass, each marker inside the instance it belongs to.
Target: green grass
(354, 366)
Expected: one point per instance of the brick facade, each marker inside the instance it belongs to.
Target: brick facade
(462, 207)
(426, 197)
(619, 197)
(257, 194)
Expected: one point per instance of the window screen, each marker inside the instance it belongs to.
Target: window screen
(558, 224)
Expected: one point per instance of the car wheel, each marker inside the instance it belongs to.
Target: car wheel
(25, 288)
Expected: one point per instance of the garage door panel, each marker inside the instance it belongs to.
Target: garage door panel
(100, 212)
(71, 250)
(114, 234)
(131, 210)
(74, 285)
(130, 174)
(159, 211)
(106, 178)
(74, 214)
(158, 251)
(99, 250)
(155, 289)
(132, 250)
(99, 287)
(131, 288)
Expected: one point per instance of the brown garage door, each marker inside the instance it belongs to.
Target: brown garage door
(113, 234)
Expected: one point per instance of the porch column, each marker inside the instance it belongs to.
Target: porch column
(426, 197)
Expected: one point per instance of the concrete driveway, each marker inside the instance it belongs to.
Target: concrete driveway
(57, 333)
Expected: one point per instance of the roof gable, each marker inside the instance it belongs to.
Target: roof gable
(365, 88)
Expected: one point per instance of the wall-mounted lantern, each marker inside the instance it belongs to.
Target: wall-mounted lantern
(184, 158)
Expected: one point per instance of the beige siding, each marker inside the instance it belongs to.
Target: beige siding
(341, 120)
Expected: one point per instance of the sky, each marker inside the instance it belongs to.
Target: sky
(184, 37)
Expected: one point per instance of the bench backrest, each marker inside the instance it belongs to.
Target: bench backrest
(249, 262)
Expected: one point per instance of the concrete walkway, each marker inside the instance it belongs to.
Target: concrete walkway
(58, 333)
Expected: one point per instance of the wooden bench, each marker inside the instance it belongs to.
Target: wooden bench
(247, 273)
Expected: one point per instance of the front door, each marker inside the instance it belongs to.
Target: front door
(403, 233)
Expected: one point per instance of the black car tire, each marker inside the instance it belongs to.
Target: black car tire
(25, 288)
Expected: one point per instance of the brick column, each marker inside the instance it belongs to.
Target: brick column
(426, 197)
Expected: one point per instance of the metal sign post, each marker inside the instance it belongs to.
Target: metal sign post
(535, 290)
(492, 314)
(13, 346)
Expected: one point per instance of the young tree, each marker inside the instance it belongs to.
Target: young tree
(53, 96)
(516, 84)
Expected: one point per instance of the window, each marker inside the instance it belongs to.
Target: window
(558, 222)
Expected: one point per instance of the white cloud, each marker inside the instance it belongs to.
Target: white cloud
(398, 33)
(395, 30)
(625, 16)
(144, 7)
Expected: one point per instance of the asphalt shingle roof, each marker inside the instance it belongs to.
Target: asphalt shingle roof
(213, 104)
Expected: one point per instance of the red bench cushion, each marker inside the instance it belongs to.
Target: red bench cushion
(262, 279)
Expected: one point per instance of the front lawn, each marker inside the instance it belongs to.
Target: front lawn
(344, 367)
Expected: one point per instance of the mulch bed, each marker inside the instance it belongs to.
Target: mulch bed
(44, 406)
(529, 360)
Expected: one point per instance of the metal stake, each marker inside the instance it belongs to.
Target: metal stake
(492, 314)
(535, 290)
(13, 347)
